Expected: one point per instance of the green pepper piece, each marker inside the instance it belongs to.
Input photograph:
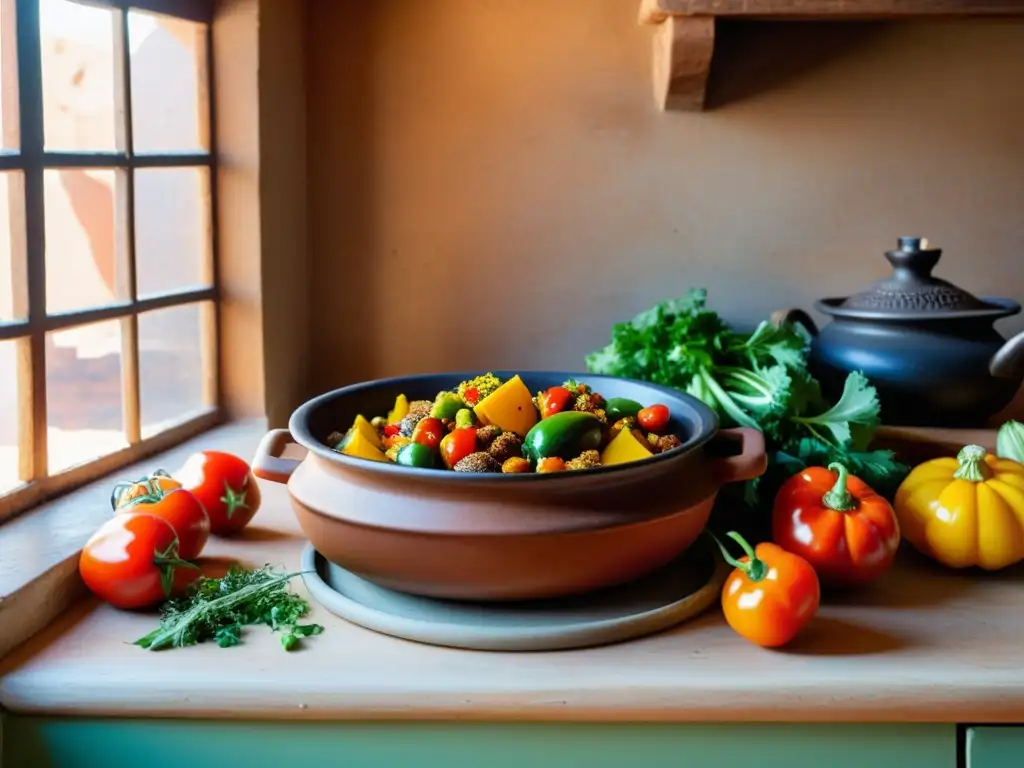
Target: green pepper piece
(566, 435)
(621, 407)
(446, 405)
(418, 455)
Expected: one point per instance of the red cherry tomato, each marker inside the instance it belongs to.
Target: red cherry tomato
(132, 561)
(429, 432)
(654, 418)
(457, 445)
(179, 508)
(225, 486)
(553, 400)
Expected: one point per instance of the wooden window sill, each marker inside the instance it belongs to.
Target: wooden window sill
(39, 550)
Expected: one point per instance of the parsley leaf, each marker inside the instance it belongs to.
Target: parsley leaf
(758, 379)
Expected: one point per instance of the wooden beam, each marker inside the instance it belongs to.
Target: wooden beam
(823, 9)
(683, 48)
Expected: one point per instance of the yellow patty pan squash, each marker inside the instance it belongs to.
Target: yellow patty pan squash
(967, 511)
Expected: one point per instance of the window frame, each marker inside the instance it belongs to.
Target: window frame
(31, 159)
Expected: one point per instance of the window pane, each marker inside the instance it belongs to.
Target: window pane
(8, 416)
(173, 364)
(169, 83)
(82, 237)
(13, 283)
(78, 76)
(172, 236)
(83, 394)
(9, 128)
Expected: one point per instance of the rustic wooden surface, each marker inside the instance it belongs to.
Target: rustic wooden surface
(922, 644)
(859, 9)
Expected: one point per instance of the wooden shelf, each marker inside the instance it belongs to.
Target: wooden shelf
(684, 38)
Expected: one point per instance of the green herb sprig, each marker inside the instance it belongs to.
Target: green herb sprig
(217, 609)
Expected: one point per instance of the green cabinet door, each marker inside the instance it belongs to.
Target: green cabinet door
(995, 747)
(43, 742)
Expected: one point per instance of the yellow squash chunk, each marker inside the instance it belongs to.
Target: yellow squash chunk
(624, 447)
(366, 429)
(359, 445)
(510, 407)
(400, 411)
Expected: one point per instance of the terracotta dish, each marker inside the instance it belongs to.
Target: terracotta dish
(496, 536)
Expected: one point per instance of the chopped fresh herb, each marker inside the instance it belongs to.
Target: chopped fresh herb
(758, 380)
(217, 609)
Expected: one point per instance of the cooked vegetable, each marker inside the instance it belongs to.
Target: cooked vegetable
(1010, 441)
(400, 411)
(585, 460)
(478, 462)
(967, 511)
(516, 465)
(457, 445)
(218, 609)
(225, 487)
(623, 448)
(565, 435)
(132, 561)
(417, 455)
(621, 407)
(654, 418)
(485, 436)
(836, 522)
(771, 594)
(465, 418)
(358, 445)
(758, 380)
(510, 407)
(505, 446)
(367, 430)
(182, 511)
(502, 424)
(550, 464)
(429, 432)
(446, 405)
(553, 400)
(478, 388)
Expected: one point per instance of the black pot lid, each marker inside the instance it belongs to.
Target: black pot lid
(912, 290)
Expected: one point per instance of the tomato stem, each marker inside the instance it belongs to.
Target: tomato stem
(166, 562)
(972, 464)
(839, 498)
(755, 568)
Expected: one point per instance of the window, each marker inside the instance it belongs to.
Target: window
(108, 289)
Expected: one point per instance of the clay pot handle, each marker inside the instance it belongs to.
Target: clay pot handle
(751, 462)
(268, 464)
(796, 317)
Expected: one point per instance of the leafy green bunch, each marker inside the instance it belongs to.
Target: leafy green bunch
(758, 380)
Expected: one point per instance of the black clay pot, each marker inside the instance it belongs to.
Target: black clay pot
(928, 347)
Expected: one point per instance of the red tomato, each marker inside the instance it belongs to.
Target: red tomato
(654, 418)
(225, 486)
(457, 445)
(845, 530)
(132, 561)
(179, 508)
(429, 432)
(553, 400)
(771, 595)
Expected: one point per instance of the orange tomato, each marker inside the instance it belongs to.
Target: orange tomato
(846, 531)
(771, 594)
(132, 561)
(125, 492)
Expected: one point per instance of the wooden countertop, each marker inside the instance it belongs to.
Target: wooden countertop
(923, 644)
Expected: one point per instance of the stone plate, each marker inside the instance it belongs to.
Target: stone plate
(679, 591)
